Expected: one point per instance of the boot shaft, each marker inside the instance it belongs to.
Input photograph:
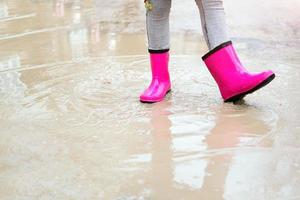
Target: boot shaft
(224, 63)
(160, 65)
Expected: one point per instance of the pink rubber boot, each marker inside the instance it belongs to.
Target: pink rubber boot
(160, 84)
(234, 81)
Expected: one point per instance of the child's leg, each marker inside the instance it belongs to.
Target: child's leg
(159, 44)
(213, 22)
(233, 79)
(158, 25)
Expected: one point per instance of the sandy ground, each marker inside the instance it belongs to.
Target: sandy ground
(71, 125)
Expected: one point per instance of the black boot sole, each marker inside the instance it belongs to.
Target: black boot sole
(239, 97)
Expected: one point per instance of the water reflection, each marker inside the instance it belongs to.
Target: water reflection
(78, 40)
(236, 127)
(162, 154)
(59, 8)
(200, 157)
(12, 89)
(3, 9)
(68, 97)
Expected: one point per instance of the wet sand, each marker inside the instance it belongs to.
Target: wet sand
(71, 125)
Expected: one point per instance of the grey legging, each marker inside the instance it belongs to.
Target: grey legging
(212, 17)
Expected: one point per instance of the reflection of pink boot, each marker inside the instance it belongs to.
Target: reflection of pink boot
(234, 81)
(160, 84)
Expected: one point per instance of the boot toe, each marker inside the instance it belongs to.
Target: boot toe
(255, 82)
(266, 74)
(151, 96)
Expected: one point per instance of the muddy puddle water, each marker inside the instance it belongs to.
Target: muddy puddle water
(71, 125)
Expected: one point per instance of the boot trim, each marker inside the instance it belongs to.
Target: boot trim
(158, 51)
(221, 46)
